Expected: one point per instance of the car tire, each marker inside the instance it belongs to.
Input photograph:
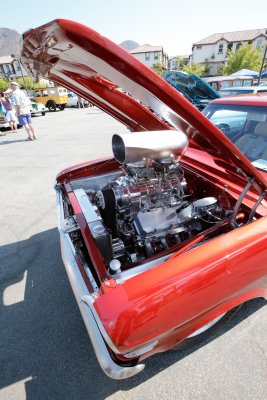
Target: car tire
(43, 113)
(61, 107)
(51, 105)
(208, 333)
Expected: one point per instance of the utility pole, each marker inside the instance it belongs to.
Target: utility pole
(263, 60)
(21, 70)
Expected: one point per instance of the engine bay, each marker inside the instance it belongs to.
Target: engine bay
(149, 206)
(149, 209)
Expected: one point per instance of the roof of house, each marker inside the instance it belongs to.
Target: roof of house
(6, 60)
(237, 36)
(179, 56)
(146, 48)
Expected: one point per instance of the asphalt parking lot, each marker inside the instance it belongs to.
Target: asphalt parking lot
(45, 352)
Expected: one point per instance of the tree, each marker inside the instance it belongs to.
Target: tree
(194, 69)
(4, 84)
(206, 67)
(158, 68)
(246, 56)
(26, 82)
(179, 63)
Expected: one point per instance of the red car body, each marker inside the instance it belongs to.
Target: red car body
(170, 289)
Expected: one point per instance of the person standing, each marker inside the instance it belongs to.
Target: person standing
(80, 102)
(10, 116)
(22, 104)
(2, 113)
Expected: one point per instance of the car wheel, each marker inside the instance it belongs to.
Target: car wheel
(61, 107)
(51, 105)
(207, 331)
(43, 113)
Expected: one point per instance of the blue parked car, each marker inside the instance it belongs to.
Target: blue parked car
(194, 88)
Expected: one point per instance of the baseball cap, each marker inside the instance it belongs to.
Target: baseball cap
(14, 83)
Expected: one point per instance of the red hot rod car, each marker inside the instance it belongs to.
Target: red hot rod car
(163, 240)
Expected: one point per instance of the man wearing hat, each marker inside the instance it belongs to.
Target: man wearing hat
(22, 104)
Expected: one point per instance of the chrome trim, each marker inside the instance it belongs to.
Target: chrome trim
(142, 350)
(79, 288)
(80, 291)
(88, 300)
(109, 367)
(206, 326)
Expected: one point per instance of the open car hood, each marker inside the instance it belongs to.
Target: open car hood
(194, 88)
(105, 74)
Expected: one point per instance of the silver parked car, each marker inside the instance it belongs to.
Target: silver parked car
(237, 91)
(73, 100)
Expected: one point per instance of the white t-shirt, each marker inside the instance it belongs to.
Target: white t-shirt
(19, 98)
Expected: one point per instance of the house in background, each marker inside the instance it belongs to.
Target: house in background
(211, 52)
(151, 55)
(177, 62)
(11, 68)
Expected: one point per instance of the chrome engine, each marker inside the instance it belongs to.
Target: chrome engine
(150, 207)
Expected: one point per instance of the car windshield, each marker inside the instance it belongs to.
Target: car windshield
(245, 126)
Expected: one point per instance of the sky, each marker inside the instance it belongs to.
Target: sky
(174, 24)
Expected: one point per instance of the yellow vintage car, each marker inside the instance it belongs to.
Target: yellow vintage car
(52, 97)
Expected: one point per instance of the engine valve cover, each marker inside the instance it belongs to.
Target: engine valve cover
(156, 221)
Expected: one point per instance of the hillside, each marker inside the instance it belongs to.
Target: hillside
(10, 42)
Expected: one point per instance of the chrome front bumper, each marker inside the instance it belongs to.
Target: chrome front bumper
(85, 303)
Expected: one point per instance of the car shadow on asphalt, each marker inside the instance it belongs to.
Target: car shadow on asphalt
(12, 141)
(43, 340)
